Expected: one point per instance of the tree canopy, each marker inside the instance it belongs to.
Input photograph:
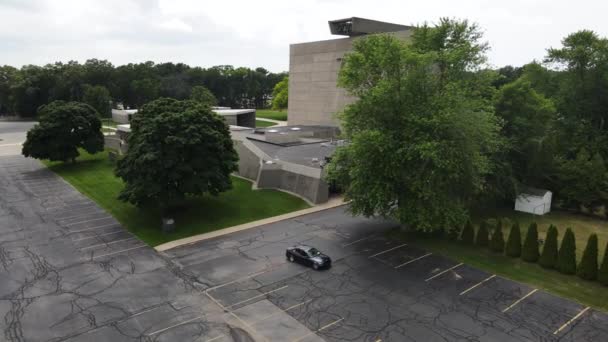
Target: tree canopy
(23, 90)
(63, 128)
(280, 94)
(176, 149)
(419, 139)
(203, 95)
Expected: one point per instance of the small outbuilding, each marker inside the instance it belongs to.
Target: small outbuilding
(534, 201)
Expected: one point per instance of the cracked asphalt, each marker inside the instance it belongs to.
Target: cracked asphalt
(70, 272)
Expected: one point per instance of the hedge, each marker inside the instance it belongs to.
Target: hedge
(566, 257)
(468, 234)
(482, 235)
(587, 269)
(530, 249)
(549, 257)
(497, 244)
(514, 241)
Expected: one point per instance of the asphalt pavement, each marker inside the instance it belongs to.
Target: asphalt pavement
(71, 272)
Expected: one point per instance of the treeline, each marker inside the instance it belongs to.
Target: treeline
(554, 120)
(23, 91)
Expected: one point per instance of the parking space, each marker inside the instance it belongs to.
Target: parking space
(376, 290)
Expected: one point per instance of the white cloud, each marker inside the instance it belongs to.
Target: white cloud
(258, 33)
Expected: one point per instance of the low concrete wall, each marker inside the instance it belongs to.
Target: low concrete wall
(313, 189)
(114, 142)
(249, 162)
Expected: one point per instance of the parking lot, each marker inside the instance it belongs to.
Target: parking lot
(377, 289)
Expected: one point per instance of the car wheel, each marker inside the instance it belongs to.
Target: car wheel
(291, 259)
(315, 266)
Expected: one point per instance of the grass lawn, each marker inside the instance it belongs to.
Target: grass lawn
(581, 225)
(271, 114)
(93, 176)
(585, 292)
(260, 123)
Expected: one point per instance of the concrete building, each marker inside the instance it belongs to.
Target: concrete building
(238, 117)
(287, 158)
(314, 98)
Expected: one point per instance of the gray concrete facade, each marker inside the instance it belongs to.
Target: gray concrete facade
(314, 97)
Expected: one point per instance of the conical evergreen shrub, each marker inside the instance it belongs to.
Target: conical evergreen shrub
(514, 241)
(529, 251)
(602, 276)
(549, 257)
(566, 257)
(497, 244)
(587, 269)
(482, 235)
(468, 234)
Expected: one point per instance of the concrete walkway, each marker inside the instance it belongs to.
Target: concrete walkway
(332, 203)
(276, 122)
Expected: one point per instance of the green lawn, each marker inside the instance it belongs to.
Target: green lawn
(93, 176)
(260, 123)
(271, 114)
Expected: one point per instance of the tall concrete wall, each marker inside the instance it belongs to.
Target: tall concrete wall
(314, 97)
(249, 162)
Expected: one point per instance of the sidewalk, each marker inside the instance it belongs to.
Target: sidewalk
(332, 203)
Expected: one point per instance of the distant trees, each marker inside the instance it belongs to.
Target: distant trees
(202, 95)
(23, 90)
(63, 128)
(99, 98)
(280, 94)
(176, 149)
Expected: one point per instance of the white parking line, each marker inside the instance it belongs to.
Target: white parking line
(411, 261)
(318, 330)
(175, 325)
(124, 250)
(476, 285)
(97, 219)
(236, 281)
(107, 244)
(281, 311)
(258, 296)
(440, 273)
(388, 250)
(519, 300)
(570, 321)
(92, 228)
(356, 241)
(94, 236)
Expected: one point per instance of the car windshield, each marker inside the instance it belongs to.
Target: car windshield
(313, 252)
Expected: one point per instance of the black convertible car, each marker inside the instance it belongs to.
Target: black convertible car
(308, 256)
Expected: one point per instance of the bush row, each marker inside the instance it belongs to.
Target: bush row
(561, 258)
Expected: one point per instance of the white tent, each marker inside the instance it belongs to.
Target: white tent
(534, 201)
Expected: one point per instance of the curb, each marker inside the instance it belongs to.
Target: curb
(249, 225)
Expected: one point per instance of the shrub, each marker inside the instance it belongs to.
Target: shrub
(468, 234)
(587, 269)
(482, 235)
(549, 257)
(603, 273)
(514, 241)
(497, 244)
(566, 257)
(530, 248)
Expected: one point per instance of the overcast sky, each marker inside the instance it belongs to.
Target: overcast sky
(258, 33)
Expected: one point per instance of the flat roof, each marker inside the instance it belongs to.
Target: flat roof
(233, 111)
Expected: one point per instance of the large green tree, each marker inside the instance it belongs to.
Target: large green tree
(176, 149)
(63, 128)
(419, 137)
(528, 118)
